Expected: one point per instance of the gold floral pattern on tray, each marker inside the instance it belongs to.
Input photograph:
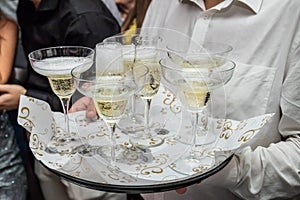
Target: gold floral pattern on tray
(158, 164)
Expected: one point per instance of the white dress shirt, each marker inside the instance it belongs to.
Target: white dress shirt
(265, 36)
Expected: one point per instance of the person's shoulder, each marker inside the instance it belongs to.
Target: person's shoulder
(282, 8)
(287, 4)
(86, 6)
(295, 4)
(292, 8)
(162, 3)
(87, 13)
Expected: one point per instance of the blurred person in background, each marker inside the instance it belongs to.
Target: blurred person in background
(13, 182)
(133, 13)
(46, 23)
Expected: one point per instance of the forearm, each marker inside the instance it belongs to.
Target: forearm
(264, 173)
(271, 172)
(8, 39)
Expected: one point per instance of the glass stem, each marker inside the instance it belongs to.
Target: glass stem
(203, 122)
(194, 132)
(114, 143)
(147, 117)
(65, 103)
(132, 108)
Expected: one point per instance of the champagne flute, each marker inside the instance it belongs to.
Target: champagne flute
(56, 64)
(192, 54)
(147, 49)
(141, 48)
(132, 121)
(193, 84)
(108, 53)
(110, 91)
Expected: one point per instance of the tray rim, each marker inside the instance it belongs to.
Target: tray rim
(137, 189)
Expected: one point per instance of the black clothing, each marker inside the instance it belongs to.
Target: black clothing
(58, 23)
(13, 182)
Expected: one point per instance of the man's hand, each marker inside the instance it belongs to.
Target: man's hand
(85, 103)
(125, 7)
(10, 96)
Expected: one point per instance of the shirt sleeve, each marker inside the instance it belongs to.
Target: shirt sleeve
(268, 173)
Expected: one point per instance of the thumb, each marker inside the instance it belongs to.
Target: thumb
(181, 190)
(91, 110)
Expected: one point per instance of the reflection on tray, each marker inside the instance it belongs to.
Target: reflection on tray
(139, 166)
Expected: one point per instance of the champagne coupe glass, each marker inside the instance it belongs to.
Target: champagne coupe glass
(191, 54)
(110, 91)
(132, 121)
(56, 64)
(193, 84)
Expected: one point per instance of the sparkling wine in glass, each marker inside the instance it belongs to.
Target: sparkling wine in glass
(193, 85)
(56, 64)
(201, 55)
(132, 121)
(147, 51)
(110, 90)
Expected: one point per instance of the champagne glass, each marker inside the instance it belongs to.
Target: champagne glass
(132, 121)
(193, 83)
(108, 53)
(147, 49)
(56, 64)
(110, 91)
(141, 48)
(192, 54)
(187, 48)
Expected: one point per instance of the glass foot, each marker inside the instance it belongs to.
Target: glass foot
(126, 155)
(189, 164)
(131, 123)
(68, 146)
(205, 137)
(146, 142)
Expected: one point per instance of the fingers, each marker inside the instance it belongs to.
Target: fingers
(91, 110)
(181, 190)
(80, 104)
(3, 88)
(9, 101)
(84, 103)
